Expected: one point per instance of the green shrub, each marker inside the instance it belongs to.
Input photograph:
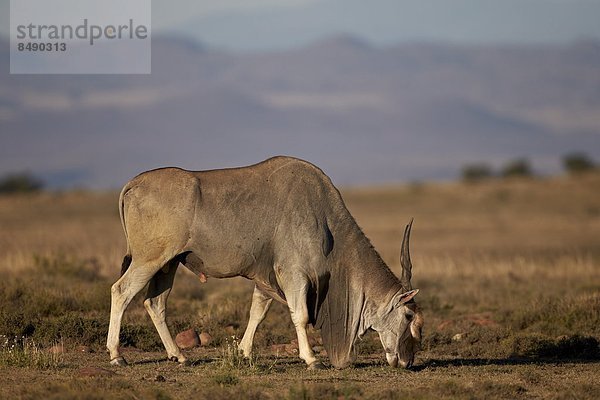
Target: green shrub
(476, 172)
(226, 379)
(143, 337)
(20, 182)
(62, 298)
(576, 163)
(71, 327)
(516, 168)
(565, 347)
(19, 351)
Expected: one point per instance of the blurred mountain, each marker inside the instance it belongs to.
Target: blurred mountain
(363, 113)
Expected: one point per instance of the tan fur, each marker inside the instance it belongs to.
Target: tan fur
(282, 212)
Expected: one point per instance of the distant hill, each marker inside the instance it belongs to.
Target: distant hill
(362, 113)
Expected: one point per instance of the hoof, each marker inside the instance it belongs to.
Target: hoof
(185, 363)
(316, 365)
(119, 362)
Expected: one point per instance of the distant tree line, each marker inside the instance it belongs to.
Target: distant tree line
(573, 164)
(576, 163)
(20, 182)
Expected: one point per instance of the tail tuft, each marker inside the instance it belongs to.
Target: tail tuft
(126, 264)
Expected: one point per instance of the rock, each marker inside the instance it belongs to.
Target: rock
(291, 349)
(278, 348)
(458, 337)
(57, 349)
(187, 339)
(285, 348)
(205, 338)
(159, 378)
(318, 348)
(230, 329)
(94, 371)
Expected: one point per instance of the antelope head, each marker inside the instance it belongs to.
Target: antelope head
(400, 320)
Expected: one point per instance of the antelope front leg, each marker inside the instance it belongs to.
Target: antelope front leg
(296, 299)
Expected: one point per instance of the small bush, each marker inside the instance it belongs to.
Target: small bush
(143, 337)
(516, 168)
(21, 182)
(565, 347)
(63, 298)
(576, 163)
(476, 172)
(226, 379)
(576, 346)
(73, 328)
(15, 324)
(231, 355)
(24, 352)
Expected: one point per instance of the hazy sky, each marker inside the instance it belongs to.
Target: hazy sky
(270, 24)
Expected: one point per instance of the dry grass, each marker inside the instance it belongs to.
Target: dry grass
(509, 273)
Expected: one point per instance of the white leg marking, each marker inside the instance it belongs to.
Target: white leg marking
(296, 299)
(258, 310)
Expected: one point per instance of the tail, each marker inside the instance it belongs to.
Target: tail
(127, 259)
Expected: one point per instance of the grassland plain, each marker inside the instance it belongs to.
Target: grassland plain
(509, 273)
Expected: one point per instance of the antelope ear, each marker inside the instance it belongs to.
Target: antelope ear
(402, 298)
